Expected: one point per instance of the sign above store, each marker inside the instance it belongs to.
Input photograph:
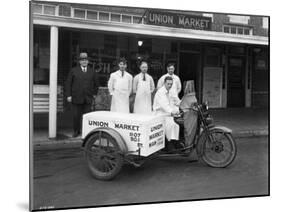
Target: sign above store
(178, 20)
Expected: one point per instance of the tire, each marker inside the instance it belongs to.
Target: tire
(220, 153)
(103, 156)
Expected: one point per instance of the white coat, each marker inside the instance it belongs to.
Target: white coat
(163, 105)
(120, 87)
(143, 89)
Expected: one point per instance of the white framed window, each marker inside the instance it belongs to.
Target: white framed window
(38, 8)
(93, 15)
(239, 19)
(103, 16)
(79, 13)
(239, 30)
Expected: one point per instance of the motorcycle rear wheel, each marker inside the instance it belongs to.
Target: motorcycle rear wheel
(217, 150)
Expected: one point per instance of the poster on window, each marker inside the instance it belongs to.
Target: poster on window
(212, 89)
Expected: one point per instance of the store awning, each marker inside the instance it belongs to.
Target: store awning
(144, 29)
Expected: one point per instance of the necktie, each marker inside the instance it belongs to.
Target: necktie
(122, 73)
(143, 77)
(85, 69)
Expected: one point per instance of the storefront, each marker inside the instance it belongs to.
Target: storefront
(229, 69)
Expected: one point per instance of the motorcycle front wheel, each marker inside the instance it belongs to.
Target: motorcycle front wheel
(217, 150)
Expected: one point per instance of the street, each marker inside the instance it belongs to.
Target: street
(62, 179)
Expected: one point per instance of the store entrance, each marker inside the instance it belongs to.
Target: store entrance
(189, 69)
(236, 82)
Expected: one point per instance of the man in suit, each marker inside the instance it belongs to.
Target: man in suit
(81, 88)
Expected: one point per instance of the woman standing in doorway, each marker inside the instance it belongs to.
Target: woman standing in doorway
(143, 86)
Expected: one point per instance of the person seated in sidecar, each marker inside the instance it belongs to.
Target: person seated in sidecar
(164, 104)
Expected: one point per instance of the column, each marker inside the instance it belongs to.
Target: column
(53, 82)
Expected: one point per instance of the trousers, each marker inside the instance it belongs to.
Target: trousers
(78, 110)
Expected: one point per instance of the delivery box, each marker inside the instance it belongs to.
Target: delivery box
(144, 132)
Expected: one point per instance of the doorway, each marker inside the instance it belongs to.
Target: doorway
(236, 82)
(189, 69)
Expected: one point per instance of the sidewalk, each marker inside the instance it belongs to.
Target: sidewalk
(244, 122)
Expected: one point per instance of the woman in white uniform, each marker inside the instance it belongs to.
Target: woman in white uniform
(143, 86)
(120, 88)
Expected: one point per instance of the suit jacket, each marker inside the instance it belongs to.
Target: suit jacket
(81, 85)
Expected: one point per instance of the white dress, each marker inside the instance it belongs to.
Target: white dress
(120, 87)
(143, 89)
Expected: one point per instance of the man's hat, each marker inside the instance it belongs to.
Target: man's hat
(83, 55)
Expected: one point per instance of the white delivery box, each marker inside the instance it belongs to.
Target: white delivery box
(146, 132)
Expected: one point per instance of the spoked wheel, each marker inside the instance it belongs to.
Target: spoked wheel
(103, 156)
(218, 150)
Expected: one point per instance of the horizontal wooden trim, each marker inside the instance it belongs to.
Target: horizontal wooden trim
(148, 30)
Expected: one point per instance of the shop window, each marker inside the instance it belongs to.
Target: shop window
(240, 31)
(226, 29)
(233, 30)
(64, 10)
(41, 56)
(103, 16)
(189, 47)
(93, 15)
(213, 57)
(110, 42)
(49, 10)
(79, 13)
(37, 8)
(174, 47)
(246, 31)
(126, 19)
(115, 17)
(237, 50)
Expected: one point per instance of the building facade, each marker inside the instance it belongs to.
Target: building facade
(226, 55)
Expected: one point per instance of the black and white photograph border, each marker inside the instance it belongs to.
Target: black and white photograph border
(258, 204)
(86, 102)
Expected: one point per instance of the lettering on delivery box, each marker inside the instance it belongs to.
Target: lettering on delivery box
(155, 135)
(98, 123)
(127, 127)
(135, 137)
(157, 127)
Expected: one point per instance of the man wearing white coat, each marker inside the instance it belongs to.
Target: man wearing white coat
(176, 87)
(143, 86)
(163, 105)
(120, 88)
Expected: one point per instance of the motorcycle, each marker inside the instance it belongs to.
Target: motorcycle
(106, 150)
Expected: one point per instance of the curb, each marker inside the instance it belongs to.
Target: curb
(250, 133)
(77, 142)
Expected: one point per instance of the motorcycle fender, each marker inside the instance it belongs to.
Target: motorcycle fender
(221, 128)
(119, 139)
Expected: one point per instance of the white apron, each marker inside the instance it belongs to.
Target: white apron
(120, 96)
(143, 98)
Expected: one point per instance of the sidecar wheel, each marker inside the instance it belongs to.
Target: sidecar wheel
(103, 156)
(218, 151)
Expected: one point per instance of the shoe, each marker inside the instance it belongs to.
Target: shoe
(170, 146)
(75, 134)
(178, 144)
